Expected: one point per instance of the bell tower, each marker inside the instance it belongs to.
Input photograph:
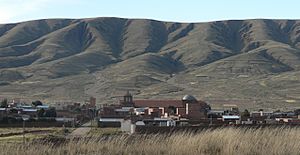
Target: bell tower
(128, 100)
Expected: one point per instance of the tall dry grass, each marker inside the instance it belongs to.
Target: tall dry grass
(225, 141)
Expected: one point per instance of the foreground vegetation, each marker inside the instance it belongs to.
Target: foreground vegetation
(219, 141)
(15, 135)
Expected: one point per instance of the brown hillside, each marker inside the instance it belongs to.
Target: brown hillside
(249, 61)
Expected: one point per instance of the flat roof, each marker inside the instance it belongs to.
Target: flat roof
(122, 110)
(229, 105)
(269, 112)
(26, 106)
(111, 119)
(231, 117)
(29, 110)
(42, 106)
(64, 119)
(163, 119)
(216, 111)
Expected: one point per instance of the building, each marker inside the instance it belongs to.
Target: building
(110, 122)
(2, 113)
(127, 126)
(156, 112)
(92, 101)
(45, 107)
(188, 107)
(30, 112)
(160, 122)
(231, 109)
(247, 121)
(231, 119)
(261, 113)
(215, 113)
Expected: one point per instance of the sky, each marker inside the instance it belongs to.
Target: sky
(12, 11)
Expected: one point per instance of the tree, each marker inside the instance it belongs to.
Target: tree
(13, 111)
(77, 109)
(50, 112)
(41, 113)
(37, 103)
(297, 111)
(276, 111)
(4, 103)
(246, 113)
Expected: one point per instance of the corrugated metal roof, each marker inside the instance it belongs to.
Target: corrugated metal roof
(26, 106)
(122, 110)
(29, 110)
(230, 117)
(216, 111)
(111, 119)
(264, 112)
(64, 119)
(42, 106)
(163, 119)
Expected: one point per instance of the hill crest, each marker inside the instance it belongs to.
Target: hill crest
(103, 57)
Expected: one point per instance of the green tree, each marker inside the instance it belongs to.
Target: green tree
(246, 113)
(37, 103)
(297, 111)
(50, 112)
(4, 103)
(276, 111)
(41, 113)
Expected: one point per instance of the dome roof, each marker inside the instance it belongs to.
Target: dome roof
(189, 98)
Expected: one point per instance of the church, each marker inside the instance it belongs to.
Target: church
(188, 107)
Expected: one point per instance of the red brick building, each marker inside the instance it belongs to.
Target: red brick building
(188, 107)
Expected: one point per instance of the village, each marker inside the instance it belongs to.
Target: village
(13, 113)
(139, 115)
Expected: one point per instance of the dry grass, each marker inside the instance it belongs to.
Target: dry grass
(15, 135)
(104, 131)
(228, 141)
(20, 130)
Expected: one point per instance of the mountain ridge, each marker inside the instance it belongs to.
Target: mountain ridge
(104, 57)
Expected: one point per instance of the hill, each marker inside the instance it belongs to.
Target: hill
(249, 62)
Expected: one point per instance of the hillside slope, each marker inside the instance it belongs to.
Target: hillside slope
(250, 62)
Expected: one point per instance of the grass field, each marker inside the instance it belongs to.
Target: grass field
(104, 131)
(4, 131)
(228, 141)
(15, 135)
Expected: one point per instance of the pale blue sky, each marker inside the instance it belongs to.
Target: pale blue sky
(166, 10)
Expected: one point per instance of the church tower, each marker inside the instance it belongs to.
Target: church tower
(128, 100)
